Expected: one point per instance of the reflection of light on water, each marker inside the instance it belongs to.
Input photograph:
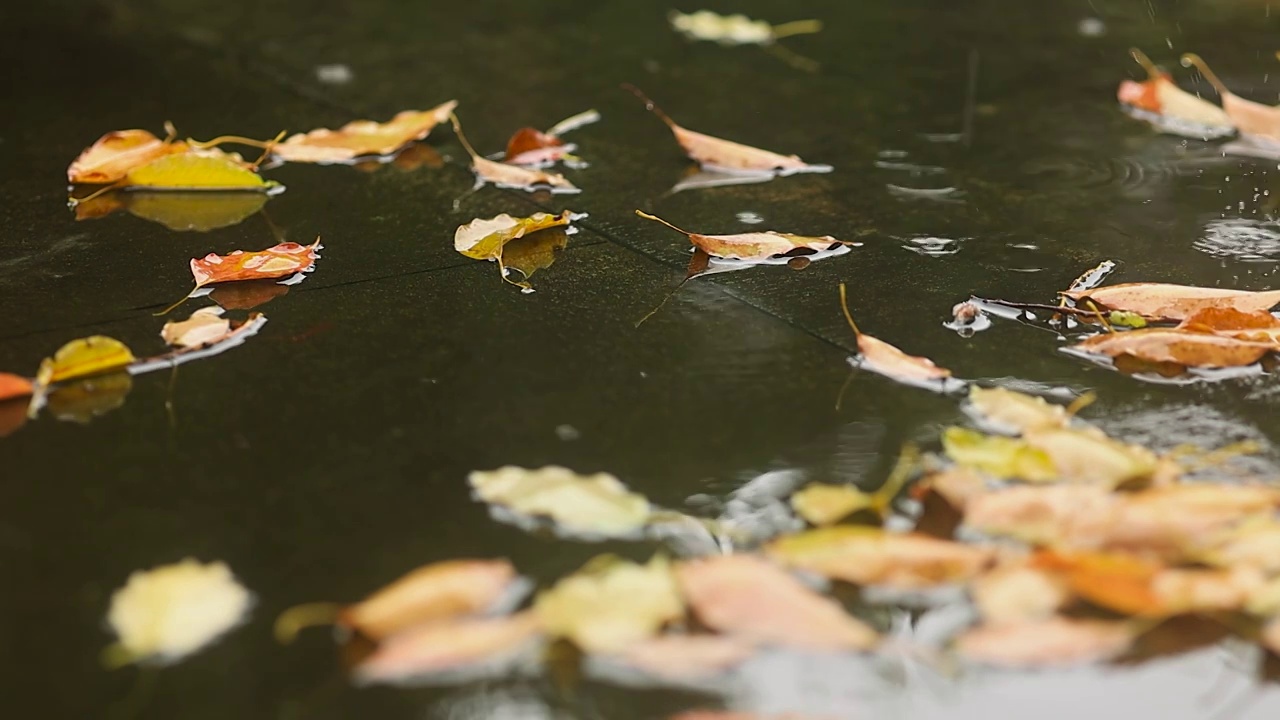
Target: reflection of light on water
(933, 246)
(1241, 239)
(749, 218)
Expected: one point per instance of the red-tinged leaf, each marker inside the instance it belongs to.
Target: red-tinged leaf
(1180, 347)
(1257, 326)
(530, 140)
(880, 357)
(448, 648)
(14, 386)
(510, 176)
(871, 556)
(748, 597)
(361, 138)
(685, 656)
(1055, 642)
(1165, 302)
(1172, 109)
(1250, 118)
(715, 153)
(112, 157)
(283, 260)
(435, 592)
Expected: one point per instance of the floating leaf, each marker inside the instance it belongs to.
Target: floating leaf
(83, 400)
(872, 556)
(14, 386)
(1252, 119)
(611, 604)
(681, 657)
(882, 358)
(749, 597)
(490, 240)
(596, 504)
(821, 504)
(1251, 544)
(439, 591)
(751, 246)
(1050, 515)
(999, 457)
(1165, 302)
(1089, 456)
(1018, 593)
(363, 137)
(1180, 347)
(1256, 326)
(510, 176)
(204, 170)
(1016, 412)
(446, 650)
(84, 357)
(171, 611)
(205, 326)
(115, 154)
(529, 146)
(283, 260)
(1054, 642)
(1170, 108)
(717, 154)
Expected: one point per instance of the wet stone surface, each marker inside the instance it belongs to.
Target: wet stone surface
(329, 454)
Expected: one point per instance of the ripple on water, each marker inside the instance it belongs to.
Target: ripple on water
(1241, 239)
(933, 246)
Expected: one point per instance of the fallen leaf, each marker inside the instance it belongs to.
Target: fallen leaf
(1165, 302)
(1018, 593)
(448, 648)
(1087, 456)
(716, 154)
(882, 358)
(751, 246)
(205, 326)
(490, 240)
(112, 157)
(1054, 642)
(1000, 457)
(439, 591)
(204, 170)
(14, 386)
(596, 504)
(748, 597)
(1250, 544)
(736, 29)
(166, 613)
(822, 504)
(611, 604)
(529, 146)
(873, 556)
(1015, 412)
(680, 657)
(1180, 347)
(1256, 326)
(510, 176)
(1073, 515)
(957, 485)
(1270, 635)
(93, 355)
(361, 138)
(1252, 119)
(1172, 109)
(284, 260)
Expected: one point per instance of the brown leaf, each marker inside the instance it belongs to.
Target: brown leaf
(873, 556)
(531, 140)
(1164, 302)
(439, 591)
(748, 597)
(363, 137)
(509, 176)
(880, 357)
(1250, 118)
(458, 645)
(1055, 642)
(715, 153)
(1181, 347)
(205, 326)
(112, 157)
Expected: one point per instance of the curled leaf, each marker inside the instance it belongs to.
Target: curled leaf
(611, 604)
(361, 138)
(882, 358)
(84, 357)
(205, 326)
(596, 504)
(115, 154)
(748, 597)
(445, 651)
(493, 239)
(751, 246)
(529, 146)
(872, 556)
(171, 611)
(1252, 119)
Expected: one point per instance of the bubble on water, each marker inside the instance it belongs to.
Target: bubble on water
(749, 218)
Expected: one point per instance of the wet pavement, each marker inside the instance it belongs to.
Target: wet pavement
(329, 453)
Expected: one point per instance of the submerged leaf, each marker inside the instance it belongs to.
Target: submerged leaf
(999, 457)
(283, 260)
(363, 137)
(1164, 302)
(169, 612)
(748, 597)
(593, 504)
(611, 604)
(84, 357)
(873, 556)
(112, 157)
(205, 170)
(449, 648)
(1054, 642)
(439, 591)
(715, 153)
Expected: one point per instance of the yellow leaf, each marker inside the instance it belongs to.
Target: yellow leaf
(825, 504)
(1015, 411)
(590, 504)
(81, 358)
(1090, 457)
(83, 400)
(998, 456)
(209, 169)
(611, 604)
(872, 556)
(485, 239)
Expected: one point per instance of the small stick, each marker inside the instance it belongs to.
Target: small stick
(457, 129)
(1101, 318)
(1153, 70)
(655, 218)
(844, 305)
(300, 617)
(649, 105)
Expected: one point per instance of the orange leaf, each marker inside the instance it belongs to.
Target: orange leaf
(433, 592)
(1175, 109)
(748, 597)
(469, 644)
(880, 357)
(282, 260)
(510, 176)
(530, 140)
(14, 386)
(715, 153)
(112, 157)
(363, 137)
(1181, 347)
(1165, 302)
(1250, 118)
(1114, 581)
